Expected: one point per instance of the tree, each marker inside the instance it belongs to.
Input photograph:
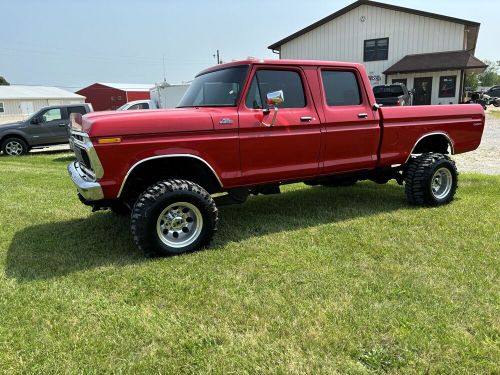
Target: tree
(3, 82)
(471, 81)
(491, 76)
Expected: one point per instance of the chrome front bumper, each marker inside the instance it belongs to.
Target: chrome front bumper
(90, 190)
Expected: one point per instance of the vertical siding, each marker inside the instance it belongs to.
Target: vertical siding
(342, 38)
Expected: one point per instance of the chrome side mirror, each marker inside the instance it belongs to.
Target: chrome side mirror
(274, 98)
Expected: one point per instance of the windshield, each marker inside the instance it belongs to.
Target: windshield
(220, 88)
(122, 107)
(388, 91)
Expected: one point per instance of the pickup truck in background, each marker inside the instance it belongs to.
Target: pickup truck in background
(247, 127)
(395, 94)
(49, 126)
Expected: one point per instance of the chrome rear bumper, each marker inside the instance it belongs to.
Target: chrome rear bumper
(90, 190)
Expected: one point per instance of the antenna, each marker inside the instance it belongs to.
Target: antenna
(218, 57)
(164, 76)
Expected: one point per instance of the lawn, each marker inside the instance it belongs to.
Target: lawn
(315, 280)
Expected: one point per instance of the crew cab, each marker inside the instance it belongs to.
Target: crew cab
(249, 126)
(48, 126)
(392, 95)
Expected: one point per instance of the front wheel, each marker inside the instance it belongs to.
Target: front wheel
(14, 147)
(173, 217)
(431, 180)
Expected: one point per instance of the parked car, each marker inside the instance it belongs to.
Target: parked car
(395, 94)
(494, 92)
(136, 104)
(247, 127)
(49, 126)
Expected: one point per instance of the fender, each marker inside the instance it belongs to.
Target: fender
(450, 142)
(167, 156)
(16, 133)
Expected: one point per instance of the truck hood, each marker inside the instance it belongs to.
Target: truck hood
(120, 123)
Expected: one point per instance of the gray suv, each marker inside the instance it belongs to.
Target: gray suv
(48, 126)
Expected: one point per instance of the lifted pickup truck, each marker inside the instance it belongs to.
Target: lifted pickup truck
(247, 127)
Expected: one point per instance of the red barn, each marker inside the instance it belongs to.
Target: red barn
(109, 96)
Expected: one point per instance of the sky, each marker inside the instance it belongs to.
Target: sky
(73, 43)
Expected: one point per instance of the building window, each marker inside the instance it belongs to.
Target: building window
(376, 49)
(341, 88)
(447, 86)
(1, 108)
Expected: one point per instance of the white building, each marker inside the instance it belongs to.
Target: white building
(17, 102)
(428, 52)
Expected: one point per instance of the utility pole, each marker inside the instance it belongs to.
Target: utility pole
(218, 58)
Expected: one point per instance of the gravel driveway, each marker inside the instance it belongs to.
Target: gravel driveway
(486, 159)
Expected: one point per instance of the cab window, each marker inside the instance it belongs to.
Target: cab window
(341, 88)
(266, 81)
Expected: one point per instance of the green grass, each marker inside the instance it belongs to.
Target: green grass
(315, 280)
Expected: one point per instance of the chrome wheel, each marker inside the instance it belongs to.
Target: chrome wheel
(13, 148)
(441, 183)
(179, 224)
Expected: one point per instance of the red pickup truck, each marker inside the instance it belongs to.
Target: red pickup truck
(247, 127)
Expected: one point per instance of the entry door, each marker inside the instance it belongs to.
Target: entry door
(27, 108)
(423, 91)
(290, 148)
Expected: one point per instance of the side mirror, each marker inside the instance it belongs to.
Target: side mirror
(274, 98)
(35, 120)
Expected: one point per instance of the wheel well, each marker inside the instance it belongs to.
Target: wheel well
(182, 167)
(13, 135)
(438, 143)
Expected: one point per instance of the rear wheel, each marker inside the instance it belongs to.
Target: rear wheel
(173, 217)
(431, 180)
(14, 147)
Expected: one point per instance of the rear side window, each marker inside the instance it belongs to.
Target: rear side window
(341, 88)
(77, 109)
(266, 81)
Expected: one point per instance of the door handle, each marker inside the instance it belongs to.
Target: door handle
(362, 115)
(306, 118)
(62, 124)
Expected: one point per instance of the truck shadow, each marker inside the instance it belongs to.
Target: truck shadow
(103, 239)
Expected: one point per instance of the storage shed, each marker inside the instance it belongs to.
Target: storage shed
(428, 52)
(110, 96)
(17, 101)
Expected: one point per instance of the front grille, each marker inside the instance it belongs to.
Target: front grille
(82, 157)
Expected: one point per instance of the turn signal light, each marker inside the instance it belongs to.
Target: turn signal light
(103, 141)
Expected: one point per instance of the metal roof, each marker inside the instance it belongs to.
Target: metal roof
(358, 3)
(437, 61)
(36, 92)
(129, 86)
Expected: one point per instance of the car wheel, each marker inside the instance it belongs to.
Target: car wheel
(173, 217)
(14, 147)
(431, 180)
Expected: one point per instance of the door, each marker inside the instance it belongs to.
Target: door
(289, 148)
(423, 91)
(50, 126)
(27, 108)
(352, 127)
